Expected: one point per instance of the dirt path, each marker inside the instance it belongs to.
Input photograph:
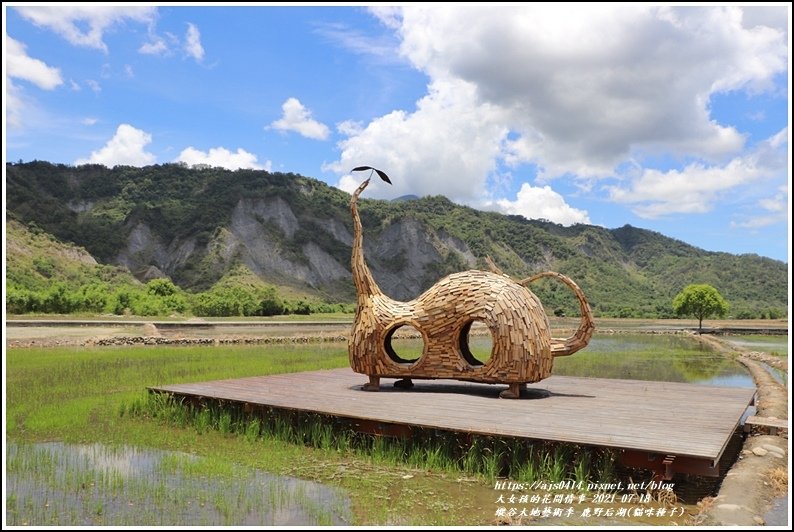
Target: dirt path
(760, 475)
(149, 333)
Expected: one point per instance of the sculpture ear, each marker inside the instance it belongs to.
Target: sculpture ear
(380, 173)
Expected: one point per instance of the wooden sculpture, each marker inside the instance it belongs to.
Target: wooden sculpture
(523, 349)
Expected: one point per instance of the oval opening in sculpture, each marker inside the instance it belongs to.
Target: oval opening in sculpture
(405, 347)
(476, 345)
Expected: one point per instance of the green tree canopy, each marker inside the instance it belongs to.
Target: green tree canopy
(700, 301)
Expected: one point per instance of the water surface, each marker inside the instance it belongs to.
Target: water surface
(62, 484)
(652, 357)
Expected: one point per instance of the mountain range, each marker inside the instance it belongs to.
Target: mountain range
(193, 225)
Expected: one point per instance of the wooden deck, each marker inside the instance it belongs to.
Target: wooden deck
(665, 418)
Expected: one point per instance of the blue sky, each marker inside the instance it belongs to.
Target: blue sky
(673, 119)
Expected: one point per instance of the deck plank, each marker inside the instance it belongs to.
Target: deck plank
(659, 417)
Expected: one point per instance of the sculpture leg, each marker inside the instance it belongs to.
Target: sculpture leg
(373, 385)
(514, 390)
(404, 383)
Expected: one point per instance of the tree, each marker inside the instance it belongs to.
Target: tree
(700, 301)
(161, 287)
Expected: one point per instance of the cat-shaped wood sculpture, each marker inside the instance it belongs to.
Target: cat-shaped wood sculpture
(523, 349)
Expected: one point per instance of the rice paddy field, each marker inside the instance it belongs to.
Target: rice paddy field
(86, 444)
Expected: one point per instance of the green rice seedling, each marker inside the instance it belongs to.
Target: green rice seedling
(343, 440)
(252, 430)
(282, 429)
(203, 421)
(471, 458)
(225, 423)
(559, 464)
(605, 467)
(435, 458)
(382, 451)
(545, 461)
(581, 468)
(491, 464)
(320, 435)
(528, 470)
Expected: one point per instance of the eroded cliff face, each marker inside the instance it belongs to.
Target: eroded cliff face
(264, 232)
(306, 252)
(146, 254)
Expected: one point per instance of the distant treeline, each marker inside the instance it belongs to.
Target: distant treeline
(160, 297)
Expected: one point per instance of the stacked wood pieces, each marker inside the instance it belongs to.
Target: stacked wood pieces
(523, 349)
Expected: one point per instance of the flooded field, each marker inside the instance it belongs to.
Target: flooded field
(61, 484)
(656, 357)
(73, 394)
(664, 357)
(774, 345)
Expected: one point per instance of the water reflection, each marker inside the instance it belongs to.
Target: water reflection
(768, 344)
(652, 357)
(778, 374)
(62, 484)
(666, 357)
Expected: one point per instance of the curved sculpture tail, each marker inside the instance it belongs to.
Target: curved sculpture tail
(567, 346)
(362, 277)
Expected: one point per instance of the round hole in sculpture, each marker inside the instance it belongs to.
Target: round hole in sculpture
(476, 343)
(404, 344)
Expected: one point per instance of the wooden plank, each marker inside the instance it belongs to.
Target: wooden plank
(770, 425)
(767, 422)
(659, 417)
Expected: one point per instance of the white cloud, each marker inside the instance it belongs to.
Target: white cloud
(20, 65)
(299, 119)
(383, 48)
(777, 204)
(88, 121)
(155, 47)
(74, 85)
(127, 147)
(94, 85)
(350, 128)
(166, 45)
(390, 16)
(447, 146)
(776, 17)
(223, 158)
(543, 203)
(15, 105)
(348, 183)
(193, 46)
(777, 211)
(690, 190)
(574, 92)
(70, 21)
(128, 71)
(595, 83)
(696, 187)
(758, 222)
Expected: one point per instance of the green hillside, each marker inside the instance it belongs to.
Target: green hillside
(195, 226)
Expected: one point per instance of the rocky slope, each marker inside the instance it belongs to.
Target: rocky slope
(194, 225)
